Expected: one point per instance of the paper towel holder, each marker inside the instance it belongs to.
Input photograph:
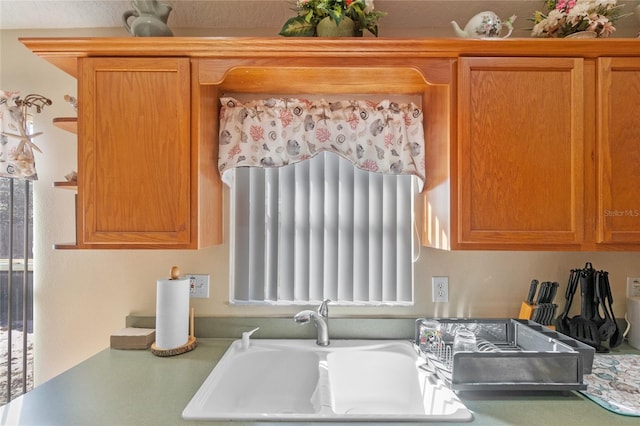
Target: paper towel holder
(192, 342)
(187, 347)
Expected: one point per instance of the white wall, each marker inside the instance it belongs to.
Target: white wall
(413, 18)
(81, 297)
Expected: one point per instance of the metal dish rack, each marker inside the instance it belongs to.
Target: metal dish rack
(512, 355)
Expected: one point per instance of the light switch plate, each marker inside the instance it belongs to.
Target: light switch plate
(198, 286)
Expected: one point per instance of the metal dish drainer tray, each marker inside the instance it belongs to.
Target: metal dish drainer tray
(512, 354)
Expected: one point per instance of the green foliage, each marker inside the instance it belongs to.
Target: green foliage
(310, 12)
(298, 26)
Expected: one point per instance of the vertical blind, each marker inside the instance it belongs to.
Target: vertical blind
(321, 229)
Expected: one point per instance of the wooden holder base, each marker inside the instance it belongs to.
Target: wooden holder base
(189, 346)
(526, 312)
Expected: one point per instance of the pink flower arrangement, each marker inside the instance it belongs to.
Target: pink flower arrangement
(565, 17)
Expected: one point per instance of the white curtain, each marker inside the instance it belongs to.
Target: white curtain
(16, 135)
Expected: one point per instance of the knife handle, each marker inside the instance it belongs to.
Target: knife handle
(532, 291)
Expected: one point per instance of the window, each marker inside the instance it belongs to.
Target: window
(16, 287)
(321, 229)
(322, 204)
(17, 170)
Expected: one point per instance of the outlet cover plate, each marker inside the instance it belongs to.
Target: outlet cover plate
(633, 286)
(198, 286)
(440, 289)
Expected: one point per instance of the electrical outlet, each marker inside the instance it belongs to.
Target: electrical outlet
(440, 289)
(633, 286)
(198, 286)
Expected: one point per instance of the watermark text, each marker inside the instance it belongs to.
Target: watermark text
(622, 213)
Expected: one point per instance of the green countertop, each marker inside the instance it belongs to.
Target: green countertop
(117, 387)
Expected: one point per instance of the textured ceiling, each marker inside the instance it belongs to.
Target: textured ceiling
(43, 14)
(19, 14)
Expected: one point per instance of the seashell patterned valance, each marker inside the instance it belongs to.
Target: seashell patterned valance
(384, 137)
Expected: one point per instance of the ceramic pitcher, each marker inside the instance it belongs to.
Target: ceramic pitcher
(149, 19)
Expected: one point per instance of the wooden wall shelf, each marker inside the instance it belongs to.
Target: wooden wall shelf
(64, 246)
(69, 124)
(66, 185)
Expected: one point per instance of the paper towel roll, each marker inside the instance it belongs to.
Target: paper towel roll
(172, 313)
(633, 316)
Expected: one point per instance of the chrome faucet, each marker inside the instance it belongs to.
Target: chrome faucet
(320, 320)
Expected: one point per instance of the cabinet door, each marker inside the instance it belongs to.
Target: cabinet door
(618, 150)
(134, 152)
(519, 153)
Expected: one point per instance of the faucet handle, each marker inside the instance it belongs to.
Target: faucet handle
(323, 309)
(246, 336)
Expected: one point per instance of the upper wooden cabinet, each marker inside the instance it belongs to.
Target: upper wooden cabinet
(547, 154)
(519, 155)
(134, 151)
(618, 151)
(531, 144)
(139, 184)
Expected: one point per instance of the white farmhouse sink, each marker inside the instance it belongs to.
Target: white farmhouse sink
(299, 380)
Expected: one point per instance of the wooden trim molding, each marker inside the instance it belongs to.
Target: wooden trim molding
(63, 52)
